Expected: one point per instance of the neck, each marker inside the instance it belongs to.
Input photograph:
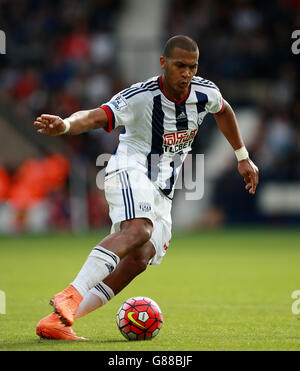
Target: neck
(172, 93)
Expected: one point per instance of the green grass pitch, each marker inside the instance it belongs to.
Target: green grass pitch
(218, 290)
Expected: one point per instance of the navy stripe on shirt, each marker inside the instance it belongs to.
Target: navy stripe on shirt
(157, 138)
(181, 117)
(142, 91)
(202, 99)
(205, 85)
(145, 86)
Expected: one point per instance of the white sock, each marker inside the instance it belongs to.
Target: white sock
(99, 264)
(94, 299)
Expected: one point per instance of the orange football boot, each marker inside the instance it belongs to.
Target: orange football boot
(51, 327)
(66, 303)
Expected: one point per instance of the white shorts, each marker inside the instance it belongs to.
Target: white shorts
(131, 194)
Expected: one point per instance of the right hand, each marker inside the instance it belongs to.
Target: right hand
(50, 125)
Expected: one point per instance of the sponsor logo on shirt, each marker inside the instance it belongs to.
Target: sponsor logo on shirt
(179, 140)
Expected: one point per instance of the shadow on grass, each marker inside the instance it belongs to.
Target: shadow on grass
(46, 343)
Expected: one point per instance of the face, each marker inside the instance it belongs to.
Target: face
(179, 69)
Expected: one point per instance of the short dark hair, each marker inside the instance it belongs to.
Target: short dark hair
(181, 42)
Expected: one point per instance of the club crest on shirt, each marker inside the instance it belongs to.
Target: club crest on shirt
(145, 206)
(119, 103)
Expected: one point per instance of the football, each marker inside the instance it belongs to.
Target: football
(139, 318)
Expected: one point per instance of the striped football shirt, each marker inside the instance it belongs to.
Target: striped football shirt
(158, 131)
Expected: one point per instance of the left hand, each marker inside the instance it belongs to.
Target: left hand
(249, 172)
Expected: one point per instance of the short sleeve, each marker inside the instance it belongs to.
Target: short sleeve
(119, 112)
(215, 102)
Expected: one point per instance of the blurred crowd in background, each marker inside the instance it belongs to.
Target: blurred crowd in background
(61, 59)
(251, 41)
(245, 48)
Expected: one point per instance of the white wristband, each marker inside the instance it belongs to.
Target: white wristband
(241, 153)
(67, 124)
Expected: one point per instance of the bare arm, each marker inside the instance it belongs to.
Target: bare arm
(80, 122)
(228, 125)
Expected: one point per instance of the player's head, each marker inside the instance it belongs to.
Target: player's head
(180, 62)
(182, 42)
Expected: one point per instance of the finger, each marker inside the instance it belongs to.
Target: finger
(50, 118)
(250, 184)
(249, 188)
(39, 124)
(247, 179)
(257, 177)
(253, 184)
(256, 172)
(252, 188)
(44, 121)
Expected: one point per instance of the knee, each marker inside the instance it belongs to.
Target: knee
(138, 232)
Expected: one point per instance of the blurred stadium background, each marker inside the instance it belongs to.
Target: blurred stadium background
(66, 55)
